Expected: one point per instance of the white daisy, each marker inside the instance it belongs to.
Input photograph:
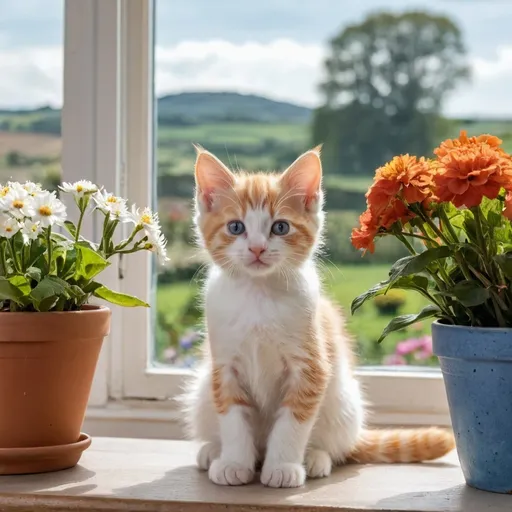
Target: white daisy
(49, 210)
(4, 190)
(17, 202)
(9, 226)
(157, 243)
(79, 188)
(109, 203)
(30, 230)
(145, 218)
(33, 189)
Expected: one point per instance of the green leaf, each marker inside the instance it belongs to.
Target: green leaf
(378, 289)
(50, 286)
(505, 263)
(469, 293)
(90, 287)
(70, 227)
(415, 264)
(46, 304)
(120, 299)
(416, 283)
(89, 263)
(34, 273)
(400, 322)
(21, 283)
(14, 288)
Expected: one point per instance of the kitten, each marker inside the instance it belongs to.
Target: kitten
(277, 385)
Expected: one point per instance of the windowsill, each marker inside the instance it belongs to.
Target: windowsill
(146, 475)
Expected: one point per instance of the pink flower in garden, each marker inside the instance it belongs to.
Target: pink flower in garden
(408, 346)
(425, 351)
(394, 360)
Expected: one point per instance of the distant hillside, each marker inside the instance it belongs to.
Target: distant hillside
(177, 110)
(201, 107)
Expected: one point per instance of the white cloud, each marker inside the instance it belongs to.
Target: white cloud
(488, 93)
(282, 69)
(31, 77)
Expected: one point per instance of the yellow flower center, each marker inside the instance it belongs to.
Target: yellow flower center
(79, 188)
(4, 191)
(146, 219)
(112, 199)
(17, 203)
(34, 228)
(8, 229)
(45, 211)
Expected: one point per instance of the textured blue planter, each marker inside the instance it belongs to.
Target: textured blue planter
(477, 370)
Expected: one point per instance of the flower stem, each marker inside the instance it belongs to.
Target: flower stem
(79, 225)
(4, 259)
(49, 242)
(10, 245)
(126, 242)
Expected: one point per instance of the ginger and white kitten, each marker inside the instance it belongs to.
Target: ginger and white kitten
(277, 386)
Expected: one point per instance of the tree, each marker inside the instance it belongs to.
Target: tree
(386, 81)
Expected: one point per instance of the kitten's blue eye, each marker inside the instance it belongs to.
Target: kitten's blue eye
(280, 228)
(236, 227)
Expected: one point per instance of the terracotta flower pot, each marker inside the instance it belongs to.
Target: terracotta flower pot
(47, 364)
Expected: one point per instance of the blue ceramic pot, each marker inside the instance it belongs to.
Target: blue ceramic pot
(477, 370)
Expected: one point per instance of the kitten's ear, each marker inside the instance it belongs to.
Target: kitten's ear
(212, 176)
(305, 176)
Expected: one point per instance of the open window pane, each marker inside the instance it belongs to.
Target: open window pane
(31, 56)
(257, 85)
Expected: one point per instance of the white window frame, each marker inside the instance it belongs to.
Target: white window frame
(108, 138)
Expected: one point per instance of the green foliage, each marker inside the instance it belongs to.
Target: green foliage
(379, 72)
(44, 270)
(466, 270)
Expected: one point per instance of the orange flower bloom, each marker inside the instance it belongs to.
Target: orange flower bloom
(507, 211)
(470, 168)
(402, 181)
(464, 141)
(363, 237)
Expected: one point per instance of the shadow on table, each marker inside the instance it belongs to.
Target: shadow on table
(49, 483)
(188, 484)
(460, 498)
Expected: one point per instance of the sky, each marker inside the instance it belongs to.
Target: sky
(271, 47)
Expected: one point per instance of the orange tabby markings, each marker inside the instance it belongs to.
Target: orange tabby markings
(226, 391)
(276, 343)
(405, 445)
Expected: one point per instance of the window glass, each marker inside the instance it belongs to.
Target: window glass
(257, 84)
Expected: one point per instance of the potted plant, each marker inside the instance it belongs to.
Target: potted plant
(453, 214)
(50, 334)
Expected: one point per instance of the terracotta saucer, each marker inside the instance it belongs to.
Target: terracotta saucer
(22, 461)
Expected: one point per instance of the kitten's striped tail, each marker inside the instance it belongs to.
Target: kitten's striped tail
(402, 445)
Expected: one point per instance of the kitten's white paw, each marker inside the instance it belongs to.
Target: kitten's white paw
(318, 463)
(283, 475)
(207, 454)
(225, 472)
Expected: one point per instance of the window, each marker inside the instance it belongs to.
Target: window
(31, 97)
(143, 80)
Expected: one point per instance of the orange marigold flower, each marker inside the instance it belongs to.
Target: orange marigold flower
(402, 181)
(507, 211)
(469, 169)
(364, 236)
(464, 141)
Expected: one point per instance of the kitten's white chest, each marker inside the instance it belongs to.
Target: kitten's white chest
(242, 312)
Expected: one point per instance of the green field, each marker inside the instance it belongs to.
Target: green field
(343, 284)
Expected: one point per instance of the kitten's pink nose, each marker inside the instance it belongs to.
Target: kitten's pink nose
(257, 250)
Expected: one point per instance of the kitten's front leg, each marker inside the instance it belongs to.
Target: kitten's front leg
(288, 439)
(237, 460)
